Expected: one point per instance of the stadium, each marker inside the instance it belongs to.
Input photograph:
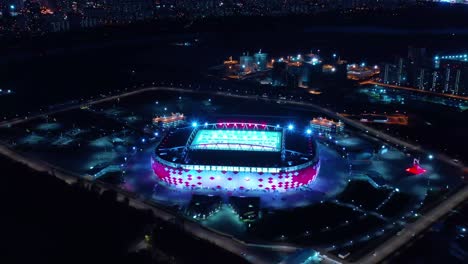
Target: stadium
(236, 156)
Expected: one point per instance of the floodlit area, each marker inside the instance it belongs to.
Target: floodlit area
(240, 140)
(361, 193)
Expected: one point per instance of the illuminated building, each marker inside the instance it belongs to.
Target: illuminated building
(400, 72)
(230, 62)
(261, 60)
(248, 208)
(323, 125)
(418, 66)
(394, 73)
(385, 73)
(175, 119)
(312, 58)
(453, 73)
(458, 57)
(424, 79)
(202, 206)
(246, 63)
(236, 156)
(328, 68)
(360, 72)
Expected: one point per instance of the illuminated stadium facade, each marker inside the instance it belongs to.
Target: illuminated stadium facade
(236, 156)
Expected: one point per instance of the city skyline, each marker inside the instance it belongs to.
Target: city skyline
(179, 131)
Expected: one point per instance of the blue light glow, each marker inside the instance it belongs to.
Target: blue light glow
(308, 131)
(290, 127)
(194, 124)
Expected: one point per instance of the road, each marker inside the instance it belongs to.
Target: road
(412, 89)
(251, 252)
(413, 230)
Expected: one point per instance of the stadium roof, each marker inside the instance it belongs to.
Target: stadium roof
(184, 146)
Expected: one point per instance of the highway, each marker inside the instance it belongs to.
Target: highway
(412, 89)
(413, 230)
(252, 252)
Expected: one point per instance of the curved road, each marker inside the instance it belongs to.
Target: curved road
(250, 251)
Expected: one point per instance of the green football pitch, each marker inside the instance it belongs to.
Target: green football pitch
(242, 140)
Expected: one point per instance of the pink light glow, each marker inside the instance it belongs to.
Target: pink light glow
(416, 170)
(228, 180)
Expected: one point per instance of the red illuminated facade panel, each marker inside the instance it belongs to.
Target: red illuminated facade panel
(232, 180)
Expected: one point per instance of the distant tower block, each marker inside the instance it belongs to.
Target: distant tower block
(246, 63)
(260, 59)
